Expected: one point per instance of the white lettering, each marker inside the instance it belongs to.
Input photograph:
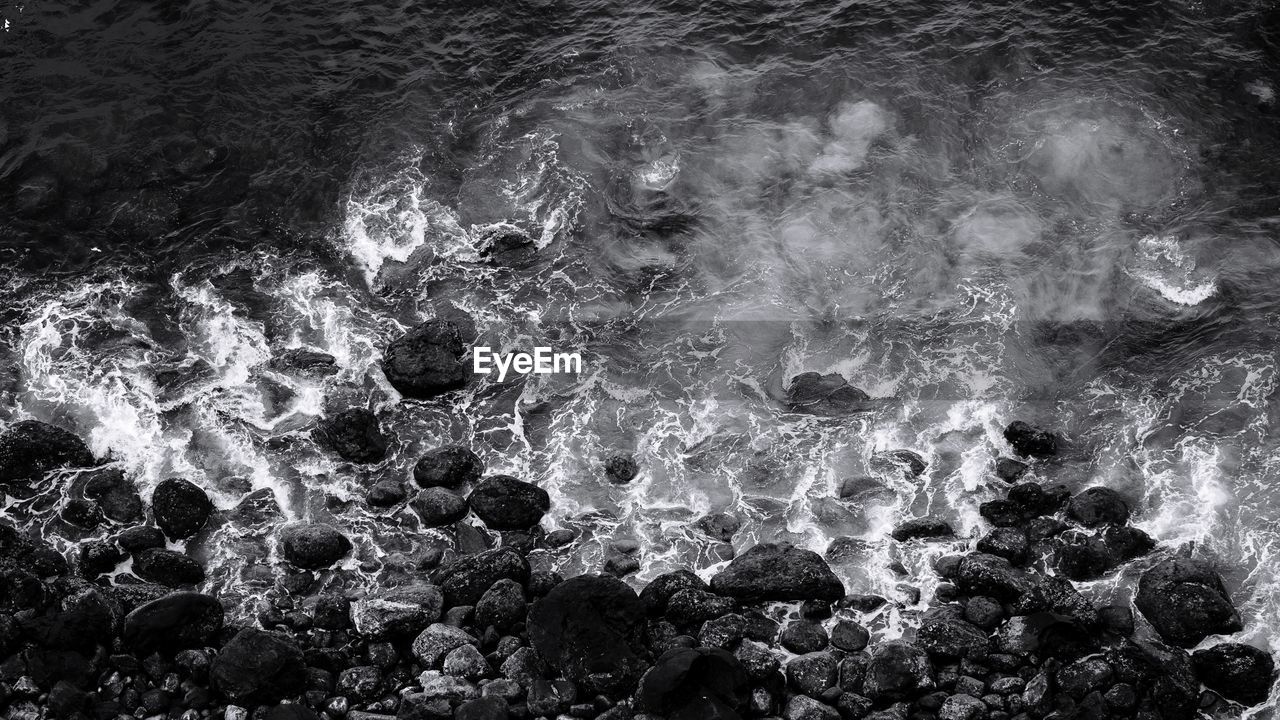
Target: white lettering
(542, 361)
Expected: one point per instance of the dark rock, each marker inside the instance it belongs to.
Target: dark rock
(448, 466)
(803, 707)
(925, 527)
(1009, 470)
(962, 707)
(142, 537)
(1127, 543)
(180, 507)
(437, 506)
(621, 469)
(849, 636)
(694, 684)
(1185, 600)
(691, 607)
(1082, 557)
(778, 571)
(169, 568)
(756, 658)
(354, 434)
(897, 670)
(331, 612)
(484, 708)
(82, 513)
(719, 526)
(825, 395)
(656, 594)
(99, 556)
(312, 546)
(1098, 506)
(30, 448)
(983, 574)
(305, 361)
(397, 614)
(1116, 618)
(590, 629)
(80, 618)
(1242, 673)
(256, 666)
(909, 462)
(1043, 528)
(465, 579)
(862, 603)
(386, 493)
(952, 638)
(113, 493)
(1028, 440)
(813, 673)
(1084, 676)
(1036, 499)
(1003, 513)
(437, 640)
(467, 662)
(426, 361)
(501, 606)
(983, 612)
(1008, 543)
(505, 503)
(803, 636)
(173, 622)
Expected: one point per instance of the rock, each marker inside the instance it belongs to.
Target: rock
(180, 507)
(718, 526)
(1116, 618)
(169, 568)
(1036, 499)
(1084, 676)
(1009, 470)
(1185, 600)
(590, 629)
(485, 708)
(849, 636)
(1003, 513)
(113, 493)
(464, 580)
(82, 513)
(501, 606)
(757, 659)
(1242, 673)
(505, 503)
(1098, 506)
(803, 636)
(692, 607)
(398, 613)
(30, 448)
(99, 556)
(437, 507)
(909, 462)
(312, 546)
(386, 493)
(466, 661)
(359, 683)
(984, 574)
(79, 618)
(142, 537)
(433, 643)
(305, 361)
(825, 395)
(659, 591)
(331, 612)
(1008, 543)
(426, 361)
(173, 622)
(897, 670)
(354, 434)
(694, 684)
(1028, 440)
(803, 707)
(778, 571)
(962, 707)
(256, 666)
(952, 637)
(983, 612)
(925, 527)
(621, 469)
(1126, 543)
(812, 673)
(448, 466)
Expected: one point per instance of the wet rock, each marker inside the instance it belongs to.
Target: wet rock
(1082, 557)
(354, 434)
(909, 462)
(312, 546)
(1242, 673)
(952, 637)
(1009, 470)
(502, 605)
(465, 661)
(962, 707)
(621, 469)
(181, 508)
(173, 622)
(305, 361)
(778, 571)
(485, 708)
(137, 539)
(1008, 543)
(168, 568)
(1185, 600)
(506, 243)
(30, 448)
(825, 395)
(505, 503)
(386, 493)
(803, 707)
(757, 660)
(1028, 440)
(398, 613)
(812, 673)
(82, 513)
(1084, 676)
(718, 526)
(694, 684)
(433, 643)
(1116, 618)
(113, 493)
(692, 607)
(448, 466)
(659, 591)
(99, 556)
(984, 574)
(359, 683)
(1003, 513)
(79, 618)
(464, 580)
(803, 636)
(983, 612)
(257, 666)
(427, 360)
(849, 636)
(1098, 506)
(331, 612)
(437, 507)
(925, 527)
(897, 670)
(590, 629)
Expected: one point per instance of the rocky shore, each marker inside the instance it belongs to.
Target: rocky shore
(119, 629)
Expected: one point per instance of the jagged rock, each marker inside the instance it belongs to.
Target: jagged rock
(925, 527)
(466, 661)
(78, 618)
(778, 571)
(448, 466)
(437, 506)
(984, 574)
(505, 503)
(169, 568)
(113, 493)
(825, 395)
(1185, 600)
(659, 590)
(181, 508)
(397, 613)
(694, 684)
(30, 448)
(621, 469)
(427, 360)
(354, 434)
(464, 580)
(897, 670)
(1098, 506)
(256, 666)
(1242, 673)
(313, 546)
(691, 607)
(484, 708)
(99, 556)
(1028, 440)
(983, 612)
(590, 629)
(1009, 470)
(433, 643)
(1008, 543)
(962, 707)
(813, 673)
(359, 683)
(173, 622)
(502, 605)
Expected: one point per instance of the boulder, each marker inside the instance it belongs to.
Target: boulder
(398, 613)
(898, 670)
(718, 526)
(952, 637)
(803, 707)
(590, 628)
(354, 434)
(1242, 673)
(803, 636)
(502, 605)
(437, 506)
(114, 494)
(1185, 600)
(778, 571)
(465, 579)
(692, 607)
(385, 494)
(694, 684)
(505, 503)
(621, 469)
(173, 622)
(312, 546)
(659, 590)
(907, 461)
(849, 636)
(1030, 441)
(813, 673)
(1006, 542)
(168, 568)
(180, 507)
(427, 360)
(30, 448)
(448, 466)
(983, 574)
(434, 643)
(1098, 506)
(305, 361)
(257, 666)
(827, 395)
(1009, 470)
(925, 527)
(962, 707)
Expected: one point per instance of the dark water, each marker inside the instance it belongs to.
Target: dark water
(1062, 212)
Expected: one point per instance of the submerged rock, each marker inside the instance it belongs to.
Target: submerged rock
(1242, 673)
(426, 361)
(778, 571)
(926, 527)
(590, 628)
(30, 448)
(313, 545)
(1185, 600)
(305, 361)
(181, 508)
(827, 395)
(114, 494)
(1028, 440)
(448, 466)
(908, 461)
(257, 666)
(355, 435)
(621, 468)
(505, 503)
